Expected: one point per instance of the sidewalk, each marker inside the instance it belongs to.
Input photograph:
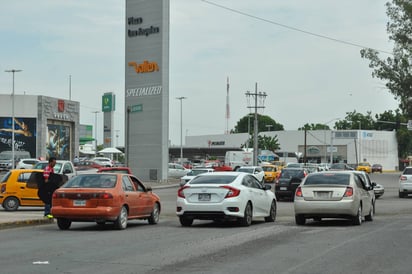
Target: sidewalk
(34, 215)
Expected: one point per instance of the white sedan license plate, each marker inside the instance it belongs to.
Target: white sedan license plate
(204, 197)
(283, 188)
(79, 203)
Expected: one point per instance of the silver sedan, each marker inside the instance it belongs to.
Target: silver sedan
(333, 194)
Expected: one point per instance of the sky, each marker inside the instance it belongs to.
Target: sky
(305, 55)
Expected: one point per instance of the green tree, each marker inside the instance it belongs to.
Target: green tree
(264, 142)
(355, 120)
(314, 127)
(395, 70)
(246, 124)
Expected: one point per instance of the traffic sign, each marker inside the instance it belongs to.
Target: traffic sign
(136, 108)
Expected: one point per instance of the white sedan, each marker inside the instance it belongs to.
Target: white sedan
(177, 171)
(255, 170)
(225, 196)
(193, 173)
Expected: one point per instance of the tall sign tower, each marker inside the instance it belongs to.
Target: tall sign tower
(108, 108)
(147, 88)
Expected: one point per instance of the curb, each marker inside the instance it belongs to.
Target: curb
(21, 223)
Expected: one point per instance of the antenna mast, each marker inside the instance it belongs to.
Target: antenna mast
(227, 107)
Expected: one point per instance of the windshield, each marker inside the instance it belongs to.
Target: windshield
(6, 155)
(92, 181)
(43, 165)
(268, 168)
(195, 172)
(247, 170)
(328, 179)
(5, 177)
(218, 179)
(289, 173)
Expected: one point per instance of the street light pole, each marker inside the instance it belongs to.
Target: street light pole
(95, 131)
(181, 127)
(13, 71)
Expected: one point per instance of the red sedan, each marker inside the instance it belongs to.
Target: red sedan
(104, 197)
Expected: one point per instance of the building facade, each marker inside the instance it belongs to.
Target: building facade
(43, 126)
(322, 146)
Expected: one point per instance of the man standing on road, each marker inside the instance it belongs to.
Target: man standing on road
(48, 187)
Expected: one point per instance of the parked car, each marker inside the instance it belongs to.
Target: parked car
(377, 168)
(103, 197)
(61, 167)
(379, 190)
(288, 181)
(19, 187)
(364, 166)
(255, 170)
(193, 173)
(271, 173)
(333, 194)
(177, 171)
(405, 182)
(26, 163)
(14, 191)
(6, 157)
(369, 186)
(103, 161)
(85, 165)
(124, 170)
(225, 196)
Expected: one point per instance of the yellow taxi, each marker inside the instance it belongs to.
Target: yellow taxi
(15, 191)
(271, 173)
(364, 166)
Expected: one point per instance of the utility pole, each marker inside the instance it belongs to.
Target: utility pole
(259, 101)
(181, 127)
(13, 161)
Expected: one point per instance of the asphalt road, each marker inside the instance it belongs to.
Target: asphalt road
(331, 246)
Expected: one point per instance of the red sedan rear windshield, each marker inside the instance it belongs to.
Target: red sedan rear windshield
(92, 181)
(328, 179)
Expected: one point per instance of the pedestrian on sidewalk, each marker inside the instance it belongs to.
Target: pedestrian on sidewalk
(47, 187)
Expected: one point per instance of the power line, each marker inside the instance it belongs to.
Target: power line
(293, 28)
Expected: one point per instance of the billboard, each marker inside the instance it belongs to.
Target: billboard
(58, 142)
(24, 134)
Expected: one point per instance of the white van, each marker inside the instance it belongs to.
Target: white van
(236, 159)
(7, 155)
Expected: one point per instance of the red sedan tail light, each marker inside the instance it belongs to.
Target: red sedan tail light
(348, 192)
(180, 192)
(233, 192)
(298, 192)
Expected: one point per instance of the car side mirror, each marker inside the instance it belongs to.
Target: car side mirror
(373, 184)
(182, 183)
(148, 188)
(66, 171)
(267, 187)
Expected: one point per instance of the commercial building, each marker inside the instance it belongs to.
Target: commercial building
(43, 126)
(349, 146)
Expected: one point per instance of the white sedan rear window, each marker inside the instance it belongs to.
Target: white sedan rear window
(328, 179)
(226, 179)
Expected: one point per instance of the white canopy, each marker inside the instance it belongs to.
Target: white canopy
(110, 150)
